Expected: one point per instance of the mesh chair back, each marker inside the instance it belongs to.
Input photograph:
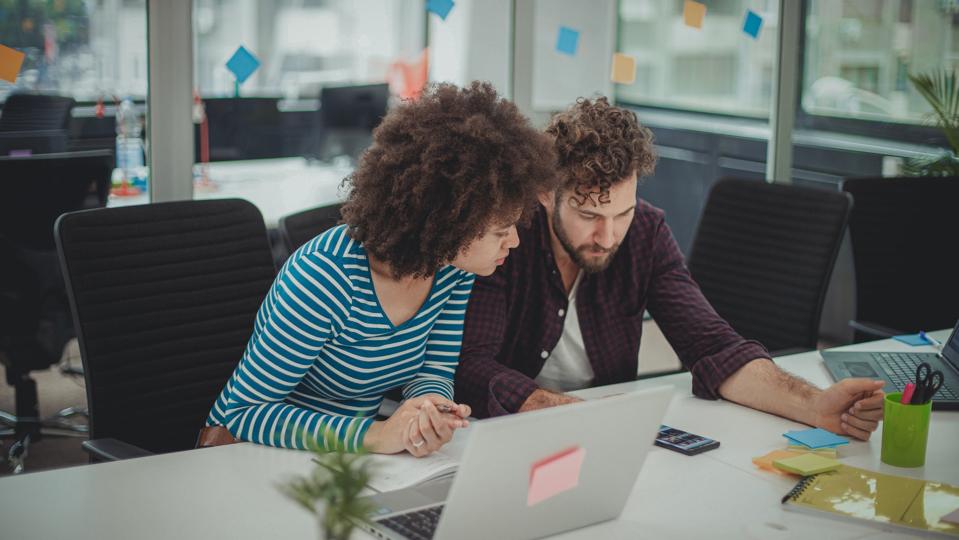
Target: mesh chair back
(32, 112)
(904, 232)
(298, 229)
(763, 255)
(163, 297)
(37, 189)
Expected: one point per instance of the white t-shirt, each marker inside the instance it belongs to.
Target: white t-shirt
(567, 368)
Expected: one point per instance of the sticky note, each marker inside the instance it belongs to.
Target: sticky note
(951, 517)
(624, 69)
(816, 438)
(440, 7)
(567, 41)
(555, 474)
(913, 339)
(826, 451)
(694, 13)
(10, 62)
(766, 462)
(242, 64)
(806, 464)
(752, 23)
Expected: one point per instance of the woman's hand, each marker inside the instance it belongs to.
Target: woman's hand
(421, 426)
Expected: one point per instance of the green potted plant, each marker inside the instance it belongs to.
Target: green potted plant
(940, 90)
(331, 492)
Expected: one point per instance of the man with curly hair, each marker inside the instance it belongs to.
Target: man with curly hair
(566, 310)
(378, 303)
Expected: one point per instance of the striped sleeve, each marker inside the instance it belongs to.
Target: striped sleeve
(306, 305)
(443, 344)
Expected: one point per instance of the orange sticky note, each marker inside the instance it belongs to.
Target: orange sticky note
(694, 13)
(10, 62)
(555, 474)
(766, 462)
(624, 69)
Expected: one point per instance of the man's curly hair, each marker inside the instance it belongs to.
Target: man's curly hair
(442, 170)
(598, 145)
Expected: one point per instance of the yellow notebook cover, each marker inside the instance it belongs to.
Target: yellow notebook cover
(880, 498)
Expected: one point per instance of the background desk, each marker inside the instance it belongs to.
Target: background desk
(278, 187)
(230, 491)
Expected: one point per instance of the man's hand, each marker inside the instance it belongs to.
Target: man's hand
(851, 406)
(418, 426)
(541, 399)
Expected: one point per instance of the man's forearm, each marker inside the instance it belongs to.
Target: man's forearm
(541, 399)
(762, 385)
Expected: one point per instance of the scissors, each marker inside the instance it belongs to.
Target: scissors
(928, 381)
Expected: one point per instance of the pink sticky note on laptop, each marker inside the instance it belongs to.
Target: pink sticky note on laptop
(951, 517)
(555, 474)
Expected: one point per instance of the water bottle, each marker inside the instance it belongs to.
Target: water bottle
(129, 154)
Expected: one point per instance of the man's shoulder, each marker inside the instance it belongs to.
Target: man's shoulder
(647, 219)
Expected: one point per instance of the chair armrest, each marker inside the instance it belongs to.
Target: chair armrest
(874, 329)
(113, 450)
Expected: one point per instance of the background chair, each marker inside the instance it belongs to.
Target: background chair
(903, 233)
(763, 255)
(35, 123)
(34, 311)
(298, 229)
(164, 298)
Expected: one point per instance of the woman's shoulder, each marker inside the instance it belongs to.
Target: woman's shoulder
(451, 275)
(331, 248)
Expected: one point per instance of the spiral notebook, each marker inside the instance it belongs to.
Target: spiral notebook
(882, 499)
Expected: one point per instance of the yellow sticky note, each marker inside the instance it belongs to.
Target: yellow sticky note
(828, 452)
(694, 13)
(10, 62)
(624, 69)
(806, 464)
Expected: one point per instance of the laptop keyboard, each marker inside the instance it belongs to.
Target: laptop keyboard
(418, 525)
(901, 369)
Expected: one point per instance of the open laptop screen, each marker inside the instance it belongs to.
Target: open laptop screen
(951, 349)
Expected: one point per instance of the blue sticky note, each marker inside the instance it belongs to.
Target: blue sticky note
(752, 23)
(242, 64)
(816, 438)
(913, 339)
(440, 7)
(567, 41)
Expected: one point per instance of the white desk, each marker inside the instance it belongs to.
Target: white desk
(278, 187)
(229, 492)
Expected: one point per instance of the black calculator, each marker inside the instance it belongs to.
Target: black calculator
(683, 441)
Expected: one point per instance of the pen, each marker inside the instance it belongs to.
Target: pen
(907, 394)
(929, 339)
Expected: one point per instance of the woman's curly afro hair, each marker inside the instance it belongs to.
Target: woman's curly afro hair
(598, 145)
(440, 172)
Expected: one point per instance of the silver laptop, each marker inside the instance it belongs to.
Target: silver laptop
(516, 480)
(899, 368)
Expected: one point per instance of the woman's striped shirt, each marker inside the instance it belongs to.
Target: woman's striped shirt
(323, 352)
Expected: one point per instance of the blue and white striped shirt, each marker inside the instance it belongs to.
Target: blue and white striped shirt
(323, 352)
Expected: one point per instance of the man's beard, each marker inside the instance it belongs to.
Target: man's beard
(578, 254)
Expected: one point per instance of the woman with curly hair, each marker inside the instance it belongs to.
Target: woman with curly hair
(378, 302)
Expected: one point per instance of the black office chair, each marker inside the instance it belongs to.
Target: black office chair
(164, 298)
(36, 326)
(35, 123)
(298, 229)
(30, 112)
(763, 255)
(903, 233)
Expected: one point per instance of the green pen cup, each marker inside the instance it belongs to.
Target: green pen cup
(905, 431)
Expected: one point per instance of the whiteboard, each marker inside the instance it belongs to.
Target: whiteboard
(558, 79)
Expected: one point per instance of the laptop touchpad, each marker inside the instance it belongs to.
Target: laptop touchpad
(861, 369)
